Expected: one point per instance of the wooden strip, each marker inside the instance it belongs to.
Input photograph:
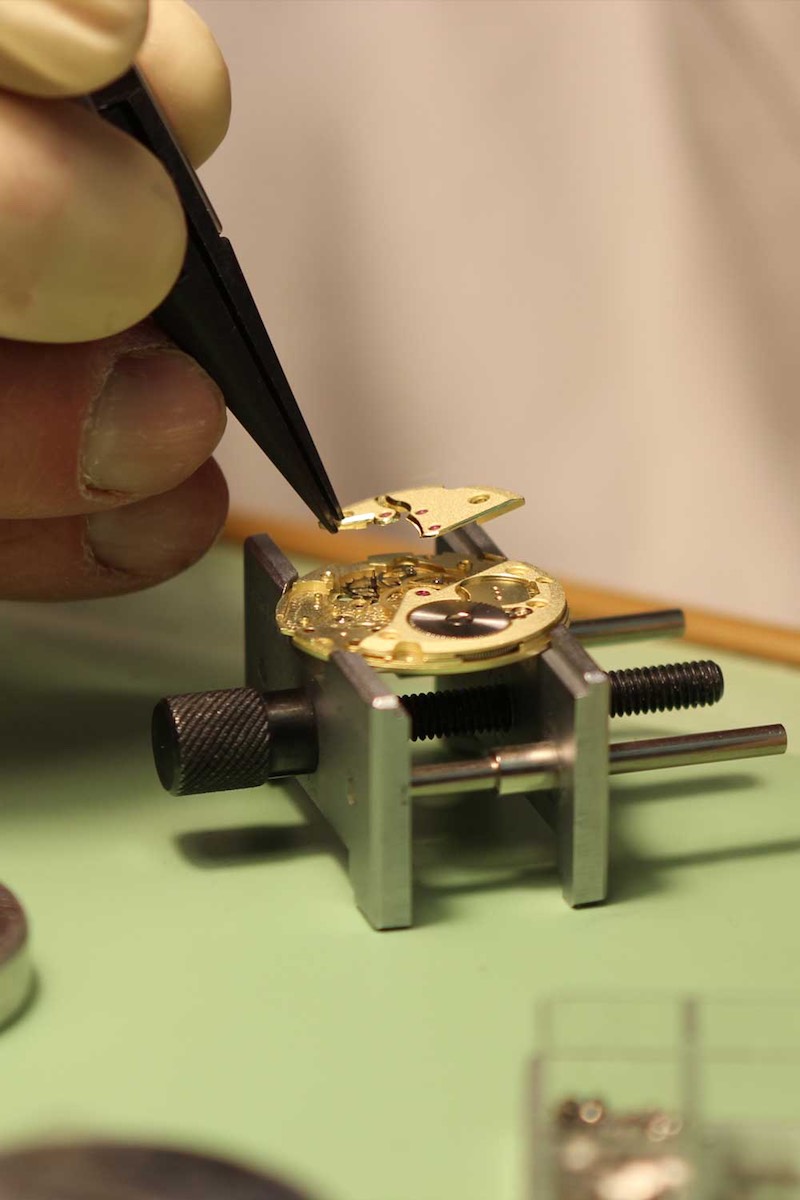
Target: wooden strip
(774, 642)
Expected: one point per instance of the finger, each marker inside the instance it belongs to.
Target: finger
(66, 47)
(52, 48)
(92, 230)
(187, 72)
(99, 424)
(123, 550)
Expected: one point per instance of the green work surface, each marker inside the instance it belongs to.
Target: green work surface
(205, 978)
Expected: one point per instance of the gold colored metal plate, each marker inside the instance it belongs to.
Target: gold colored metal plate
(434, 615)
(433, 510)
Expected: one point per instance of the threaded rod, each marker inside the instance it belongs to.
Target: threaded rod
(461, 711)
(659, 689)
(490, 709)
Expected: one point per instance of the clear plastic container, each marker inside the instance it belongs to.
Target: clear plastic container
(653, 1098)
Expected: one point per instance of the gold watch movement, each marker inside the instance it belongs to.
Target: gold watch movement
(425, 614)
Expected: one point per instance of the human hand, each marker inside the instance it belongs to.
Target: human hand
(106, 429)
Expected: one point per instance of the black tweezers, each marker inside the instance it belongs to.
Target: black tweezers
(210, 312)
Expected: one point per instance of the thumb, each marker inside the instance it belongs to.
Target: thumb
(67, 47)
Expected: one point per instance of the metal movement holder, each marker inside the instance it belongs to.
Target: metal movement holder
(341, 729)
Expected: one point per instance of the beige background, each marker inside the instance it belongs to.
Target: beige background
(550, 246)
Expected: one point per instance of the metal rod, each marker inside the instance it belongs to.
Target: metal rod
(694, 749)
(631, 627)
(520, 769)
(506, 771)
(472, 540)
(532, 768)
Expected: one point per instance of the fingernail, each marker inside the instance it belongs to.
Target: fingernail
(158, 537)
(158, 417)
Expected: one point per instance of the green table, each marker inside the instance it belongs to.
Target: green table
(205, 977)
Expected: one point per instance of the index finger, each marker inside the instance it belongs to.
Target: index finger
(60, 48)
(50, 48)
(93, 234)
(187, 72)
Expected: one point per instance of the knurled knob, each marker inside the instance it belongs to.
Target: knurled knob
(212, 741)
